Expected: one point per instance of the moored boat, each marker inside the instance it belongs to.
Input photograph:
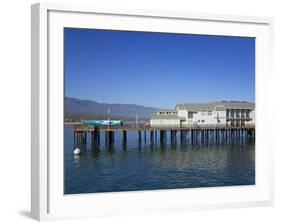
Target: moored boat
(103, 122)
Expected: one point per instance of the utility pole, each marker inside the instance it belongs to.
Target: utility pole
(108, 111)
(137, 119)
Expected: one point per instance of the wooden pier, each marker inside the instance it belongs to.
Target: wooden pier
(194, 134)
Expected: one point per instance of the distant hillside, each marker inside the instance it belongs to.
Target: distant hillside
(88, 108)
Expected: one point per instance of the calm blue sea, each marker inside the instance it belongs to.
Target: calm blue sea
(148, 166)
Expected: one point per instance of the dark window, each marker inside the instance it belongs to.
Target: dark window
(227, 113)
(237, 113)
(232, 113)
(190, 114)
(242, 113)
(247, 113)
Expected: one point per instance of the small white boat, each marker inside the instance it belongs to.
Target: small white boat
(76, 151)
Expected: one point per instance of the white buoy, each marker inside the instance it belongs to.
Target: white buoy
(76, 151)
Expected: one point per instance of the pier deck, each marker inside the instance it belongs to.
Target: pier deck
(90, 128)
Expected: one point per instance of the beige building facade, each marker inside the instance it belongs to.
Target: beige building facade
(222, 113)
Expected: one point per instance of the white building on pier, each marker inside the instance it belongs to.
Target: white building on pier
(223, 113)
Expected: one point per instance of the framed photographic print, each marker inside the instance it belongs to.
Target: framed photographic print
(138, 111)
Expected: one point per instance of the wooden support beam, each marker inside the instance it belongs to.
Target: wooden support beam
(139, 136)
(74, 140)
(144, 136)
(124, 139)
(106, 136)
(162, 136)
(124, 136)
(173, 136)
(151, 136)
(95, 139)
(111, 137)
(85, 138)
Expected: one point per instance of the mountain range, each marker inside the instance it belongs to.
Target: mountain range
(79, 107)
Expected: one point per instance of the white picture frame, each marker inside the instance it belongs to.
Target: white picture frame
(48, 201)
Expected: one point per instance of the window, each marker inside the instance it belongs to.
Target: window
(247, 113)
(203, 113)
(237, 113)
(198, 121)
(242, 113)
(202, 121)
(232, 113)
(190, 114)
(209, 113)
(227, 113)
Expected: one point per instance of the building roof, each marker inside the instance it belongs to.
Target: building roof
(195, 106)
(167, 110)
(220, 105)
(236, 104)
(166, 116)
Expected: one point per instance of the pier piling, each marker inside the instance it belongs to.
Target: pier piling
(173, 136)
(151, 136)
(95, 139)
(124, 136)
(145, 136)
(162, 136)
(139, 135)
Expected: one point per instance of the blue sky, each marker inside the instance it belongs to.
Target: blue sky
(157, 69)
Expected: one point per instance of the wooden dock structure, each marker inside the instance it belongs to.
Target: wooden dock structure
(192, 134)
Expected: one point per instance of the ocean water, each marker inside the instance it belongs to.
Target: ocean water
(146, 166)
